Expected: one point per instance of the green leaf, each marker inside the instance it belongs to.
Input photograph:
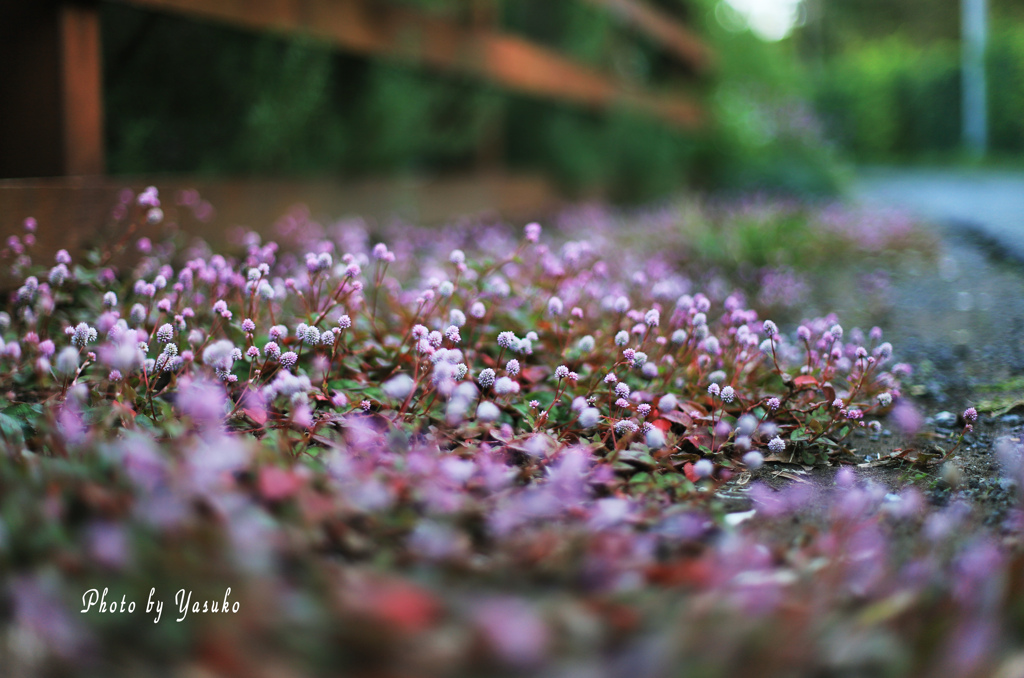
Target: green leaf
(25, 412)
(11, 429)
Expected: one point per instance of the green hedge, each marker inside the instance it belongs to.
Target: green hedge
(891, 99)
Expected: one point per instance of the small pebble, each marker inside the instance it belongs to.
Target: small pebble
(952, 474)
(1010, 419)
(944, 420)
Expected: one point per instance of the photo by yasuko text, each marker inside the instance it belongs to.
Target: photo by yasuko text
(95, 601)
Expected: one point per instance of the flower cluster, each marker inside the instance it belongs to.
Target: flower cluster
(638, 354)
(479, 403)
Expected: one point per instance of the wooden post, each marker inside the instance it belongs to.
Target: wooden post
(974, 28)
(51, 108)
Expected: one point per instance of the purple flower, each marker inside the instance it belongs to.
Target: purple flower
(753, 460)
(47, 348)
(165, 334)
(67, 361)
(589, 417)
(486, 377)
(505, 386)
(398, 387)
(487, 411)
(626, 426)
(512, 631)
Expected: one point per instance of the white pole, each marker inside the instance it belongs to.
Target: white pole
(974, 29)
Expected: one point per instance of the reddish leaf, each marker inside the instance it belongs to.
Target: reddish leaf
(315, 506)
(805, 381)
(534, 374)
(699, 440)
(257, 414)
(404, 606)
(681, 572)
(694, 409)
(677, 417)
(689, 472)
(277, 483)
(663, 424)
(221, 653)
(622, 618)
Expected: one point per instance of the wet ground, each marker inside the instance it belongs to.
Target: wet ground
(992, 201)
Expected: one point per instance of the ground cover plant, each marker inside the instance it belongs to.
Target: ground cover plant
(474, 451)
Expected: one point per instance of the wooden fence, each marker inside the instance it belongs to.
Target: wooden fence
(51, 108)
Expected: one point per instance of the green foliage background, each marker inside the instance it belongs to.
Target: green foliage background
(190, 97)
(896, 95)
